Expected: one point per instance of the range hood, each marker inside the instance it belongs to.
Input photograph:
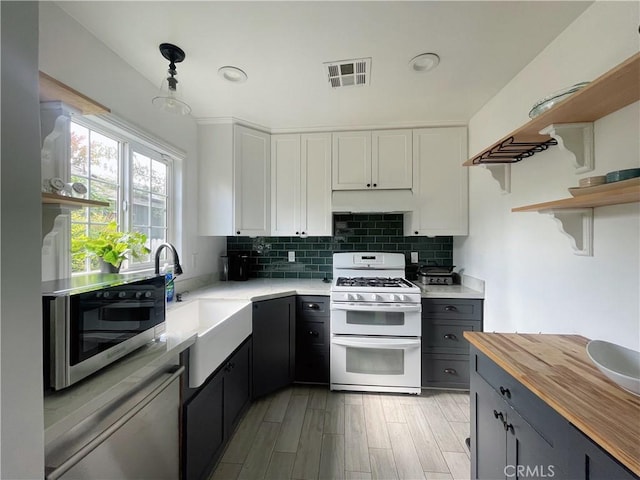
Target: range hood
(372, 201)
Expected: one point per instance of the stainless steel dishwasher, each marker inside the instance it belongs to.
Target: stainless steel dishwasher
(135, 436)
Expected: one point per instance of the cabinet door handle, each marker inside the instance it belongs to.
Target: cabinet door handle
(368, 185)
(313, 306)
(508, 426)
(450, 336)
(375, 184)
(416, 232)
(238, 232)
(498, 415)
(450, 308)
(505, 392)
(297, 233)
(450, 371)
(313, 333)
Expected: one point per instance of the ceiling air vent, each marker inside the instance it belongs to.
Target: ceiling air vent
(348, 73)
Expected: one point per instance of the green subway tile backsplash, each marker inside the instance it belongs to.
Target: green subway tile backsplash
(361, 232)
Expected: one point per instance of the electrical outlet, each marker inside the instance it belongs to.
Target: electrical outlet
(292, 256)
(414, 257)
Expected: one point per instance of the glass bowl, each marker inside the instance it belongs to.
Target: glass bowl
(551, 100)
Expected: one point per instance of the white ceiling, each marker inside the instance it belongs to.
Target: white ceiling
(282, 46)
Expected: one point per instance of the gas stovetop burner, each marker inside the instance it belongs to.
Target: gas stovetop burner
(373, 282)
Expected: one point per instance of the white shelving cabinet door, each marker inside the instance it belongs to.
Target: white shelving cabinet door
(351, 160)
(285, 185)
(315, 202)
(252, 181)
(441, 182)
(391, 159)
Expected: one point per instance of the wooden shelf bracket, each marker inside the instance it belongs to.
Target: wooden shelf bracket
(577, 225)
(501, 173)
(577, 139)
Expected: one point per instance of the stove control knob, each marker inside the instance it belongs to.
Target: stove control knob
(396, 298)
(122, 294)
(353, 296)
(376, 298)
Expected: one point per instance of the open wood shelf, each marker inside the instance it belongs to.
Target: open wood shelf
(54, 90)
(612, 91)
(626, 192)
(52, 198)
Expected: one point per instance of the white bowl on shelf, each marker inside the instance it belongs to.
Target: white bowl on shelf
(619, 364)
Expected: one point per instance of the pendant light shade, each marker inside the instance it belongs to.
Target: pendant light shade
(169, 97)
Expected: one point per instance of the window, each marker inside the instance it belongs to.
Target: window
(134, 179)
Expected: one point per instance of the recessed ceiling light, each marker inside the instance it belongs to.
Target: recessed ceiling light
(424, 62)
(232, 74)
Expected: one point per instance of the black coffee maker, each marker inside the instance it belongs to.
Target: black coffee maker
(239, 266)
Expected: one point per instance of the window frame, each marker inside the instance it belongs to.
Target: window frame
(132, 139)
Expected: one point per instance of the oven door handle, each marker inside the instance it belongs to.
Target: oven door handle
(387, 344)
(378, 307)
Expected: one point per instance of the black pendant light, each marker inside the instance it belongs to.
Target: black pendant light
(169, 97)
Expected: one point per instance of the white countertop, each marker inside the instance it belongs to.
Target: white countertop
(449, 291)
(266, 288)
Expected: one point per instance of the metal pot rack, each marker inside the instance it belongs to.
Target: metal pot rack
(510, 151)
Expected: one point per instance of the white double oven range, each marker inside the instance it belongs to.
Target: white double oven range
(376, 324)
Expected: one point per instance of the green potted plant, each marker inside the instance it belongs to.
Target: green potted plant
(111, 247)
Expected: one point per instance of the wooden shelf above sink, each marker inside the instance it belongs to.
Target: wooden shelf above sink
(53, 90)
(53, 199)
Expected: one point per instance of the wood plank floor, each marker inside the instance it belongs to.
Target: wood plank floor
(309, 432)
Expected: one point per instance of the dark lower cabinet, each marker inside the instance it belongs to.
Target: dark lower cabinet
(504, 445)
(274, 330)
(445, 351)
(212, 412)
(312, 339)
(204, 429)
(488, 443)
(516, 435)
(237, 387)
(587, 461)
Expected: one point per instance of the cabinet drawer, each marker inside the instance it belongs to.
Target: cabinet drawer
(547, 422)
(312, 365)
(311, 333)
(446, 371)
(446, 308)
(312, 306)
(440, 336)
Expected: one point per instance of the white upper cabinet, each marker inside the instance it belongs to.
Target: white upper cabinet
(252, 155)
(285, 185)
(372, 160)
(351, 163)
(301, 185)
(440, 183)
(391, 159)
(234, 181)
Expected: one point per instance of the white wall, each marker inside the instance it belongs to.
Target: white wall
(21, 409)
(535, 283)
(74, 56)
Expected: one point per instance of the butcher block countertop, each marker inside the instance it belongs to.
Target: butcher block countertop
(557, 369)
